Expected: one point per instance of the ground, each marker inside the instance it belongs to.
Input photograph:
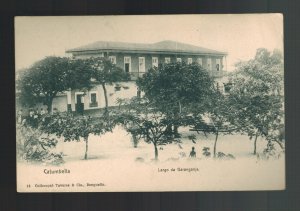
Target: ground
(113, 161)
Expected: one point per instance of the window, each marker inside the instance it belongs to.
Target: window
(127, 64)
(167, 60)
(199, 60)
(179, 60)
(218, 64)
(190, 61)
(209, 63)
(227, 87)
(93, 99)
(141, 64)
(154, 62)
(113, 59)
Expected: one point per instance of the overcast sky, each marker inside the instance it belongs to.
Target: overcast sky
(239, 35)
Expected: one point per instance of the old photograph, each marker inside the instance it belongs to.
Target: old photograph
(150, 103)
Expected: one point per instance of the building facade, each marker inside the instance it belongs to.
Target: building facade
(136, 59)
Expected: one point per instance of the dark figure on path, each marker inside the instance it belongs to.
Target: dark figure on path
(193, 153)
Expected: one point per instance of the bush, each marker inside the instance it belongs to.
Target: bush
(33, 147)
(223, 156)
(206, 151)
(271, 152)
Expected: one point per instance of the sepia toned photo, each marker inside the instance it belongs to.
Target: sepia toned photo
(150, 103)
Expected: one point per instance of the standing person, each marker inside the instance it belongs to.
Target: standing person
(193, 153)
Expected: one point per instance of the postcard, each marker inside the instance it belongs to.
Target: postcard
(150, 103)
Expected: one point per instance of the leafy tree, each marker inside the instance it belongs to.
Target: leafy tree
(219, 114)
(34, 146)
(75, 128)
(149, 123)
(105, 72)
(177, 88)
(257, 95)
(50, 76)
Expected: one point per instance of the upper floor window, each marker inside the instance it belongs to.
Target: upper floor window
(154, 62)
(179, 60)
(113, 59)
(218, 64)
(141, 64)
(190, 61)
(127, 64)
(209, 63)
(199, 60)
(167, 60)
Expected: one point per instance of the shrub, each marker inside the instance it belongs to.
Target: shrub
(33, 147)
(206, 151)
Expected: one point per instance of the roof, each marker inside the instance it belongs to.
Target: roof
(163, 46)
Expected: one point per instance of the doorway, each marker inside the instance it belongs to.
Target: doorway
(79, 106)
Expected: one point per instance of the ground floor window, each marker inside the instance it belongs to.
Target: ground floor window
(93, 99)
(227, 87)
(167, 60)
(113, 59)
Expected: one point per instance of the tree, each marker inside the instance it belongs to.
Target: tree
(105, 72)
(34, 146)
(75, 128)
(177, 88)
(149, 123)
(257, 95)
(219, 114)
(50, 76)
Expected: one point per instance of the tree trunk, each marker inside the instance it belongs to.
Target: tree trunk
(179, 105)
(215, 145)
(156, 152)
(135, 141)
(86, 147)
(105, 97)
(254, 152)
(279, 143)
(49, 105)
(175, 131)
(168, 129)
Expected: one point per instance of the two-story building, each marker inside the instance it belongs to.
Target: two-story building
(136, 59)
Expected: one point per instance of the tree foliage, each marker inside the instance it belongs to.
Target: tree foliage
(176, 87)
(105, 72)
(46, 78)
(148, 122)
(33, 146)
(177, 90)
(257, 95)
(75, 128)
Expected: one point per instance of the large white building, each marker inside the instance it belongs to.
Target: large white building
(136, 59)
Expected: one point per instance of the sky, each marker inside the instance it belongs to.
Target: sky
(238, 35)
